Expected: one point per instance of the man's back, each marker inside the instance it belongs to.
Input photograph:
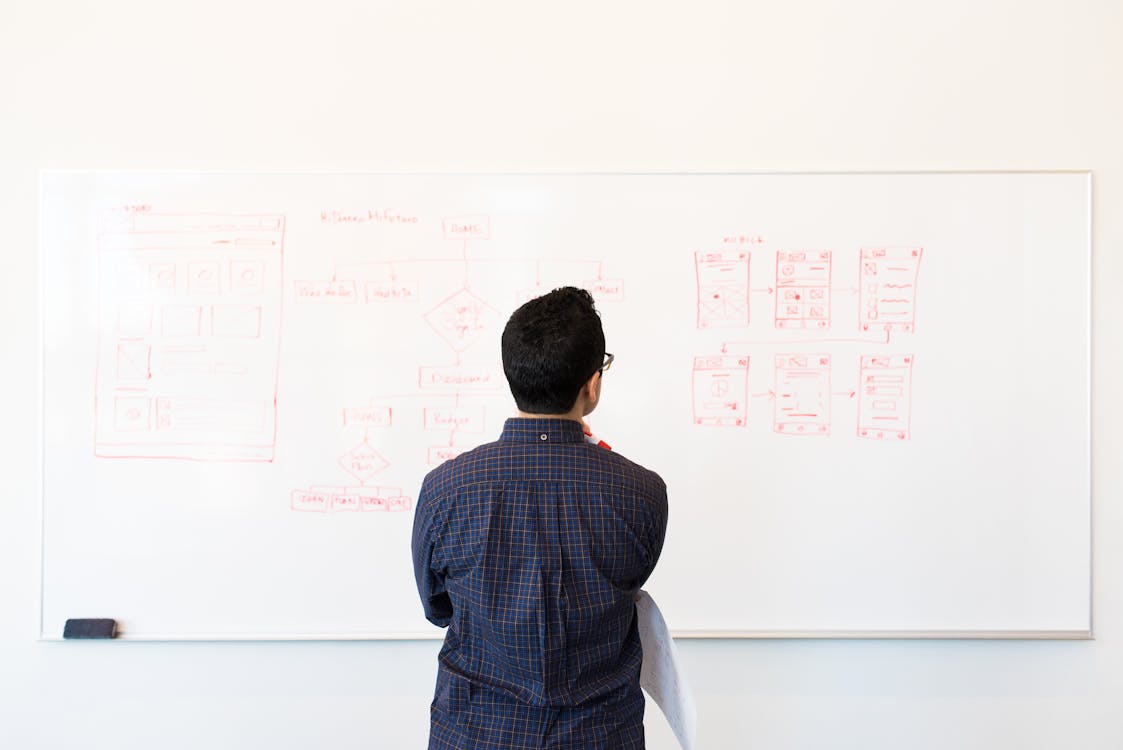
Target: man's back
(531, 550)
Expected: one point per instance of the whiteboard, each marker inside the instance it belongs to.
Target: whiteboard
(868, 393)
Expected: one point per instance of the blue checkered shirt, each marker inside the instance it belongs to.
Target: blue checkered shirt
(531, 550)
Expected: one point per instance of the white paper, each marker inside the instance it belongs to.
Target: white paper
(662, 676)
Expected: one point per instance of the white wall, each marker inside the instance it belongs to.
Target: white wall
(517, 86)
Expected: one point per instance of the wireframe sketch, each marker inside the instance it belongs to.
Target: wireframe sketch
(723, 289)
(721, 390)
(803, 289)
(803, 394)
(887, 282)
(188, 335)
(885, 397)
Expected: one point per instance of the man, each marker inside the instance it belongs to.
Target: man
(531, 551)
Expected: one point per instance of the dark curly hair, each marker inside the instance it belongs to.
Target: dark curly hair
(551, 346)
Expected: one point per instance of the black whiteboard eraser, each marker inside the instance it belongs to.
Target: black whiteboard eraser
(90, 628)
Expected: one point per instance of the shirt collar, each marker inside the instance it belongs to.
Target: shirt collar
(542, 430)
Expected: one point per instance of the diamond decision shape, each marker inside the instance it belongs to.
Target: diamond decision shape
(363, 461)
(462, 319)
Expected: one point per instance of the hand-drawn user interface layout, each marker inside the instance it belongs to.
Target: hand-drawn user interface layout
(803, 393)
(884, 406)
(889, 288)
(803, 289)
(721, 390)
(725, 387)
(189, 317)
(723, 288)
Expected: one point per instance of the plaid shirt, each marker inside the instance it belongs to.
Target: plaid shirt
(531, 550)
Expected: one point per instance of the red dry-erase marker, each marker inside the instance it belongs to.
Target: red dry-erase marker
(591, 438)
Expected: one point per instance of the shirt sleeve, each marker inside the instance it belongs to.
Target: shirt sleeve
(430, 578)
(656, 530)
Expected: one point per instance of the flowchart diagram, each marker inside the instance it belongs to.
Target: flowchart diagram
(451, 403)
(800, 390)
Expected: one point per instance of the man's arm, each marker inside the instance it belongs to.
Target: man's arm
(656, 531)
(430, 578)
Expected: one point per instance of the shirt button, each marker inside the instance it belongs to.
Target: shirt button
(543, 436)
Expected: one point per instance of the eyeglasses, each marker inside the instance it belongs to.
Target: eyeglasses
(607, 362)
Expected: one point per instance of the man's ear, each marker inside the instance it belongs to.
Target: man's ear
(592, 390)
